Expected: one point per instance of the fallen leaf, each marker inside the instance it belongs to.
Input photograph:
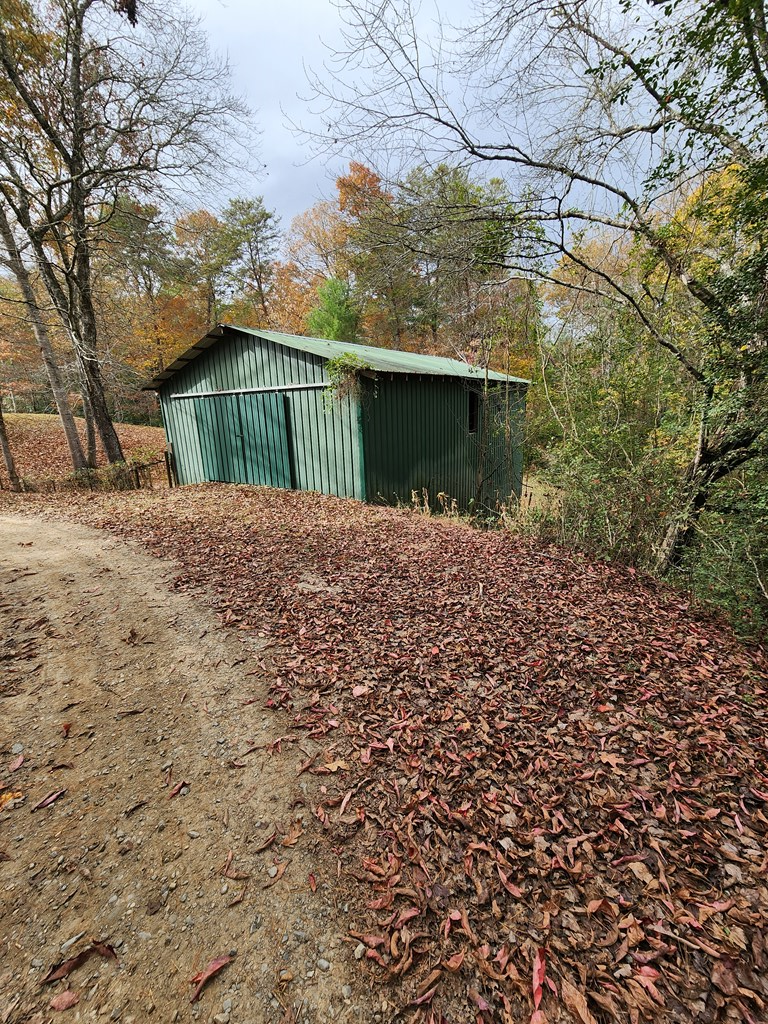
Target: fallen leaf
(426, 998)
(453, 963)
(641, 872)
(203, 977)
(407, 915)
(539, 973)
(64, 1000)
(229, 872)
(65, 968)
(16, 763)
(52, 797)
(266, 843)
(480, 1002)
(576, 1002)
(509, 886)
(294, 834)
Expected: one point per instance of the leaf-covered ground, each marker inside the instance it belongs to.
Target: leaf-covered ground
(546, 778)
(40, 451)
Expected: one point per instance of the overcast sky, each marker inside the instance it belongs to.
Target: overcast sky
(268, 45)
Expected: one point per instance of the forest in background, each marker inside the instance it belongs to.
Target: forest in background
(615, 255)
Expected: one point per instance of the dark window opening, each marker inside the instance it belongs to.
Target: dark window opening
(474, 411)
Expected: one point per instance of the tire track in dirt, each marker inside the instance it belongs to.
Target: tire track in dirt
(116, 689)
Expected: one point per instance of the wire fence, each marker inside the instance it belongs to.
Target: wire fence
(119, 476)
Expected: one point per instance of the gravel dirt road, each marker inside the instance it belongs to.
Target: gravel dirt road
(170, 833)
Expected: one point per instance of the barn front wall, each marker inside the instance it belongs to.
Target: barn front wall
(251, 411)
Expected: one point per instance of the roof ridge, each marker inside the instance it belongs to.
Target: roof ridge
(384, 360)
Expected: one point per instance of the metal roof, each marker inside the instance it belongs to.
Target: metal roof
(382, 359)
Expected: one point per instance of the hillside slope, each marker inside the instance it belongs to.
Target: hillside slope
(40, 448)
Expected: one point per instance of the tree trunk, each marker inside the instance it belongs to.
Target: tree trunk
(681, 531)
(10, 465)
(79, 319)
(712, 463)
(90, 432)
(18, 269)
(86, 347)
(93, 388)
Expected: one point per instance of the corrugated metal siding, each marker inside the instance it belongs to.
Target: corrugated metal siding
(282, 438)
(500, 439)
(326, 444)
(417, 438)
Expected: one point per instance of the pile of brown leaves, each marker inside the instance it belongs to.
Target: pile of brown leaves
(549, 775)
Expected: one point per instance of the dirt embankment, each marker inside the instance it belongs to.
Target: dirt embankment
(171, 834)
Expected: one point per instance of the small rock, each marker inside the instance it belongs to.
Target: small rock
(359, 951)
(323, 965)
(193, 835)
(221, 1018)
(70, 942)
(17, 748)
(286, 976)
(272, 871)
(227, 1005)
(346, 991)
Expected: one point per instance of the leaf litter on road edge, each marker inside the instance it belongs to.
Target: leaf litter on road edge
(544, 721)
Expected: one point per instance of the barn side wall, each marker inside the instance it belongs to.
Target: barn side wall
(501, 442)
(291, 436)
(418, 436)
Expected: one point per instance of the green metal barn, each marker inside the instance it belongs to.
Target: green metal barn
(255, 407)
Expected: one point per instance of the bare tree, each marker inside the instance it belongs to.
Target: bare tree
(598, 117)
(98, 106)
(14, 262)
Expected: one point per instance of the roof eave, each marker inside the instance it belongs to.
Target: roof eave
(186, 357)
